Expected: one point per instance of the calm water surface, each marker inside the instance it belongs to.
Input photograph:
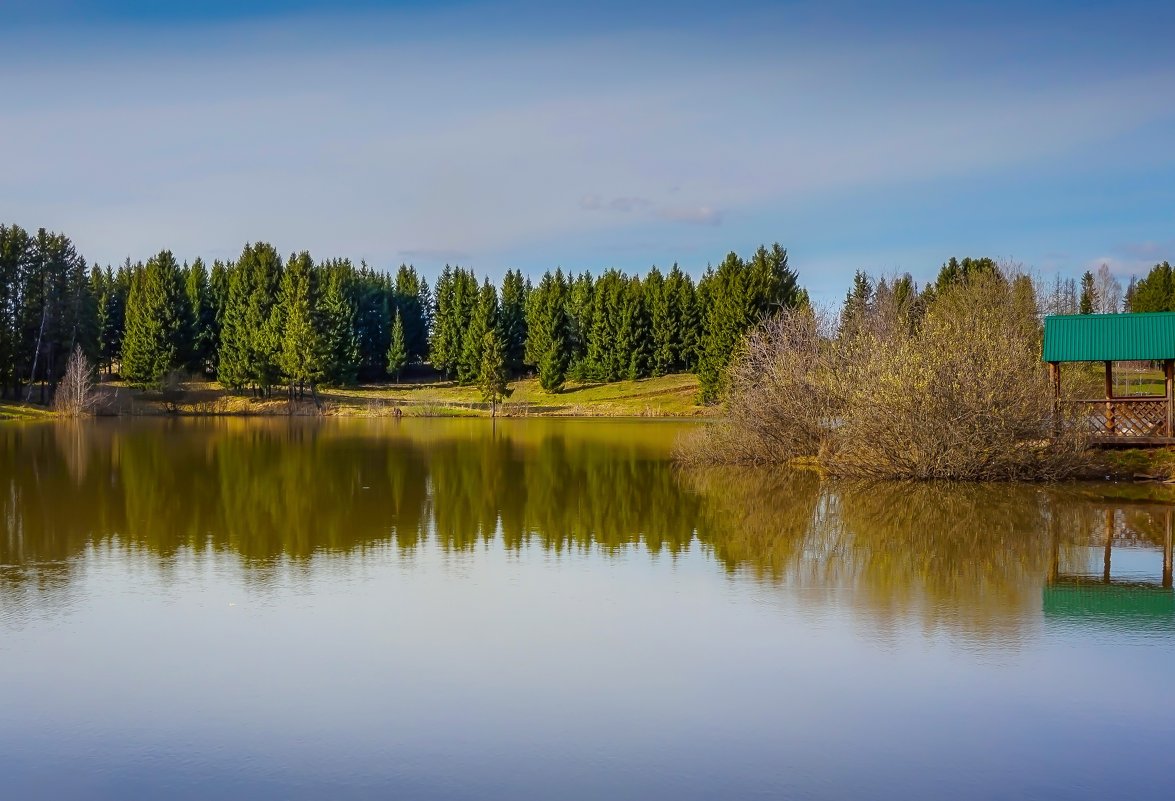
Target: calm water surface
(549, 610)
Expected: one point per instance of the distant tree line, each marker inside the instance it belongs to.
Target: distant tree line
(263, 322)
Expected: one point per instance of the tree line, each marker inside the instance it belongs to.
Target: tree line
(263, 322)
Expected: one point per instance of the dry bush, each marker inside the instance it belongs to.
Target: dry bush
(76, 392)
(779, 400)
(958, 393)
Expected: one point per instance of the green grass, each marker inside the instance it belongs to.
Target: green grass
(21, 411)
(665, 396)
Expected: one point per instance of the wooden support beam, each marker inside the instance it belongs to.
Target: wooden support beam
(1169, 374)
(1167, 554)
(1055, 380)
(1109, 545)
(1110, 397)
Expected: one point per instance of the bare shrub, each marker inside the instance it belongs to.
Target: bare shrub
(956, 393)
(781, 394)
(76, 392)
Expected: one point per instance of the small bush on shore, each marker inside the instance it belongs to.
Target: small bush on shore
(951, 390)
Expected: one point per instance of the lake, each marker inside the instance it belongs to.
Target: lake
(549, 609)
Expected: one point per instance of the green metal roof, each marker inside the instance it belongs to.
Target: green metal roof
(1122, 607)
(1109, 337)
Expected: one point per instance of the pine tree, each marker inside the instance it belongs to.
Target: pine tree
(492, 371)
(770, 284)
(858, 301)
(232, 362)
(218, 298)
(337, 316)
(201, 315)
(442, 343)
(1156, 291)
(456, 298)
(547, 342)
(633, 340)
(726, 321)
(373, 320)
(680, 288)
(154, 323)
(485, 318)
(664, 322)
(398, 349)
(579, 320)
(263, 322)
(512, 320)
(410, 296)
(1089, 298)
(301, 357)
(605, 360)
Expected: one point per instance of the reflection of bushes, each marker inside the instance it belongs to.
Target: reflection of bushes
(761, 520)
(962, 556)
(270, 490)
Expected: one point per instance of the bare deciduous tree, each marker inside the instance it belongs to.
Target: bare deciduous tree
(76, 394)
(1109, 291)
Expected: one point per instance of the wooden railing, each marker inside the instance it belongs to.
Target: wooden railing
(1127, 418)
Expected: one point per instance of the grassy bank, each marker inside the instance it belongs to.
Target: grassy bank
(23, 411)
(666, 396)
(1133, 464)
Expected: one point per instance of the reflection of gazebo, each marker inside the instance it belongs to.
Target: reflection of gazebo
(1109, 338)
(1124, 605)
(1118, 605)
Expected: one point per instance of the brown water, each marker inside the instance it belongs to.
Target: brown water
(549, 609)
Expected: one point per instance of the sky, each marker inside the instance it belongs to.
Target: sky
(878, 136)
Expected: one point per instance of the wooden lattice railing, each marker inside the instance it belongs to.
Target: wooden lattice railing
(1120, 417)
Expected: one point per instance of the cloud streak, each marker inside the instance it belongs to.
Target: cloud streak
(438, 146)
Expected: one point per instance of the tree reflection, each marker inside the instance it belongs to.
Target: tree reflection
(277, 491)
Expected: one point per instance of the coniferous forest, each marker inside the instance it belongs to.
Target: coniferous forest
(265, 322)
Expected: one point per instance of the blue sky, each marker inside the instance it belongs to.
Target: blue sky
(859, 135)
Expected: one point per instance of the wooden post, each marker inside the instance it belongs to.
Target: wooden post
(1109, 544)
(1167, 554)
(1169, 374)
(1055, 380)
(1110, 397)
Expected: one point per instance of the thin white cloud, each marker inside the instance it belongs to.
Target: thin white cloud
(437, 147)
(697, 215)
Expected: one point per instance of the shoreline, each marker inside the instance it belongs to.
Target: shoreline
(671, 397)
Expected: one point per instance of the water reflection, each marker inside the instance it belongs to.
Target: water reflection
(971, 559)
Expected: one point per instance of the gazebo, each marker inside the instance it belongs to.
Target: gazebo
(1109, 338)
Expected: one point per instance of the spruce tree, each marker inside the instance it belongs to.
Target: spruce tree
(1089, 298)
(410, 295)
(337, 321)
(263, 323)
(726, 321)
(664, 322)
(632, 337)
(492, 370)
(682, 301)
(579, 320)
(442, 340)
(485, 318)
(302, 352)
(605, 361)
(547, 344)
(201, 316)
(512, 320)
(232, 361)
(151, 344)
(398, 349)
